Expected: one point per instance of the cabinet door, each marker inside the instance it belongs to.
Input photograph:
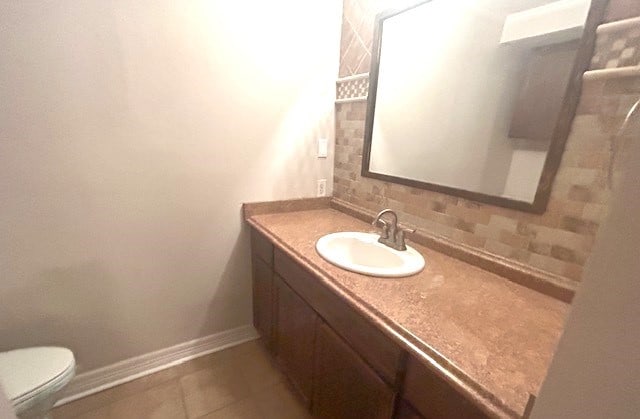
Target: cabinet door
(344, 385)
(295, 337)
(405, 411)
(434, 398)
(378, 351)
(263, 300)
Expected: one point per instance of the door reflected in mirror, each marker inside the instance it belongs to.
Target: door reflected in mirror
(475, 97)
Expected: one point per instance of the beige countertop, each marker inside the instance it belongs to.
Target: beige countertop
(490, 337)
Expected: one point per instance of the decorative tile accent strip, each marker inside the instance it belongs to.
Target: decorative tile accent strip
(352, 88)
(617, 45)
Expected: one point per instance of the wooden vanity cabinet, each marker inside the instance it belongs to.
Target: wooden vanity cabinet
(342, 365)
(406, 411)
(379, 351)
(294, 333)
(345, 386)
(434, 398)
(262, 284)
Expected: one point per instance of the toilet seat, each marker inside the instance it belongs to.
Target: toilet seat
(31, 374)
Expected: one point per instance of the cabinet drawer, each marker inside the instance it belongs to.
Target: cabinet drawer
(374, 347)
(261, 247)
(433, 397)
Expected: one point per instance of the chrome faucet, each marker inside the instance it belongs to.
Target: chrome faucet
(391, 235)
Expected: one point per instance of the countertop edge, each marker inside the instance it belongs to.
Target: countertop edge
(287, 205)
(453, 375)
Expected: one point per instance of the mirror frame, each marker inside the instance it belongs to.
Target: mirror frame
(561, 132)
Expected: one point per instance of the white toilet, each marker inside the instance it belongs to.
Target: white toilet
(33, 377)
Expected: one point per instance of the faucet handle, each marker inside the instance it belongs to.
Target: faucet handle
(385, 227)
(400, 238)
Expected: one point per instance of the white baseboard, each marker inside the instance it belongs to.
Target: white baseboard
(91, 382)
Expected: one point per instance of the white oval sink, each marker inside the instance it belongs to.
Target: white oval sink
(361, 252)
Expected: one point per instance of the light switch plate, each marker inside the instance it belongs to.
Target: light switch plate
(323, 147)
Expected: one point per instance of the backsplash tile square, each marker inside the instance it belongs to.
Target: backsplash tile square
(622, 9)
(617, 45)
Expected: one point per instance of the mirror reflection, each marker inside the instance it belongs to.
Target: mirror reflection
(467, 94)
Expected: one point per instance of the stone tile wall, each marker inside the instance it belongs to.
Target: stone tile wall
(558, 241)
(622, 9)
(618, 45)
(357, 33)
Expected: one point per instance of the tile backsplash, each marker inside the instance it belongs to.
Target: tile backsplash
(618, 45)
(558, 241)
(622, 9)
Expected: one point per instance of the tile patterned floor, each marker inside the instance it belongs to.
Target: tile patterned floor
(238, 383)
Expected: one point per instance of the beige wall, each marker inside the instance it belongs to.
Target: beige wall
(596, 370)
(130, 133)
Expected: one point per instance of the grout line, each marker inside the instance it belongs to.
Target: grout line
(359, 67)
(182, 396)
(352, 99)
(130, 369)
(346, 50)
(352, 78)
(358, 35)
(252, 395)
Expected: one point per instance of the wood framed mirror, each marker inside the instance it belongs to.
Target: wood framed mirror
(475, 98)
